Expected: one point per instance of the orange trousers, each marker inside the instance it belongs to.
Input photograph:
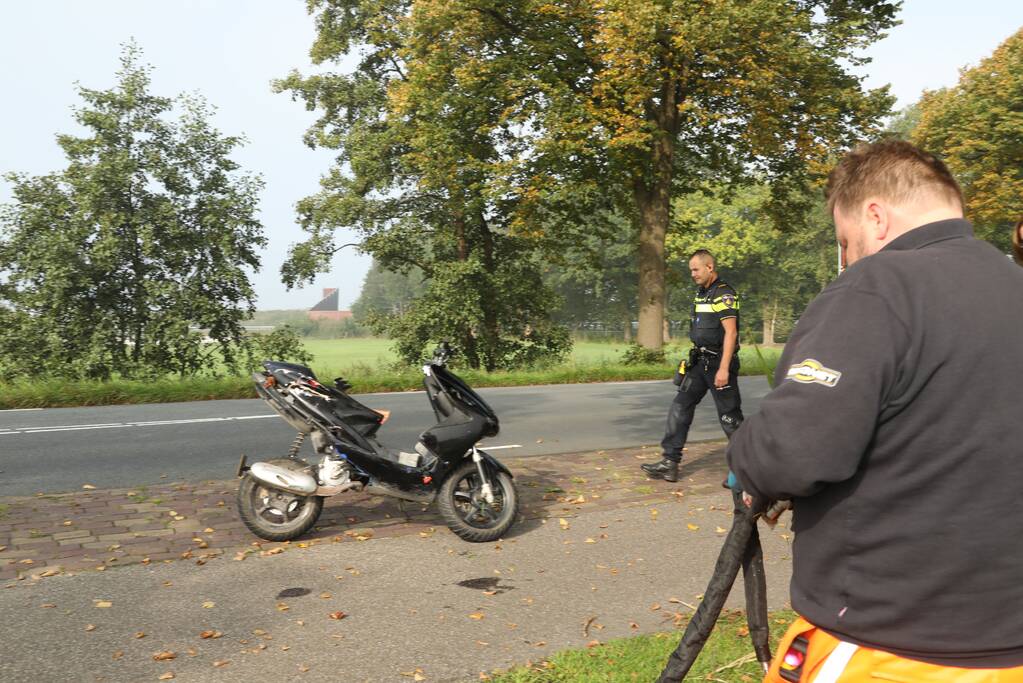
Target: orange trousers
(829, 660)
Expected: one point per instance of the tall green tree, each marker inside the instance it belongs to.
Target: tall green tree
(150, 230)
(596, 277)
(424, 129)
(976, 126)
(386, 292)
(660, 97)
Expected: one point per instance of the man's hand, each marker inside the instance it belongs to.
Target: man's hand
(721, 378)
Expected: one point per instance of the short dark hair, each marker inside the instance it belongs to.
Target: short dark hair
(1017, 242)
(892, 169)
(704, 256)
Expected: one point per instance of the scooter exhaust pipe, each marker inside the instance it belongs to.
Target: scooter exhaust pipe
(282, 478)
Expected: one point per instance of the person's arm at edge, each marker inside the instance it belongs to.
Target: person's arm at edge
(727, 350)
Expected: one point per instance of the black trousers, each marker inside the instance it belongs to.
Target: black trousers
(700, 381)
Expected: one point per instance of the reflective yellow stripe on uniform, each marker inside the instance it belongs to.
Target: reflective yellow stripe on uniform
(719, 305)
(705, 308)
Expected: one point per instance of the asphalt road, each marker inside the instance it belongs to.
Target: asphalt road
(435, 607)
(63, 449)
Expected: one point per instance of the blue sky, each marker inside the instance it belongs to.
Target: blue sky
(230, 50)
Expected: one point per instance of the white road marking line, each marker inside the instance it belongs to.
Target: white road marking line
(18, 410)
(156, 423)
(116, 425)
(498, 448)
(74, 429)
(94, 424)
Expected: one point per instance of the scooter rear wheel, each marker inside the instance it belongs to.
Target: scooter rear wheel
(273, 514)
(465, 511)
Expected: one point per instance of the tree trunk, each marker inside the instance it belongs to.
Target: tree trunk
(667, 331)
(770, 314)
(652, 194)
(628, 329)
(491, 327)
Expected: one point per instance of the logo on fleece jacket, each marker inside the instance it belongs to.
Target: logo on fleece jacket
(811, 371)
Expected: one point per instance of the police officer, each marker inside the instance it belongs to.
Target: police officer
(713, 364)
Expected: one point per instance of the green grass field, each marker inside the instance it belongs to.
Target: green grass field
(369, 364)
(727, 657)
(345, 354)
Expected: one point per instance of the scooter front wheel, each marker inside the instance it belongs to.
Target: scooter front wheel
(468, 514)
(273, 514)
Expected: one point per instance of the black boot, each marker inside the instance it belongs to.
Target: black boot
(665, 469)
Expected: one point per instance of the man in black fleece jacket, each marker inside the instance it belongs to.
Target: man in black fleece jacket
(896, 429)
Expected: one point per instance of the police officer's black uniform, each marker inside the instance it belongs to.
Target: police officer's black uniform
(711, 305)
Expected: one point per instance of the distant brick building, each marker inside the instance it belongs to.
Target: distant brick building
(327, 309)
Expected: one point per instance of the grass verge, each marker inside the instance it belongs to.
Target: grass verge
(365, 378)
(726, 658)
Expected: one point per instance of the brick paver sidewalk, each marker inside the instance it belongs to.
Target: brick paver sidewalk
(92, 530)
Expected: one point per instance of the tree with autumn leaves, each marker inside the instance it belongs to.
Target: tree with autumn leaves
(476, 138)
(976, 127)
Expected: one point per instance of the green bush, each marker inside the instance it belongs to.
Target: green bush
(640, 355)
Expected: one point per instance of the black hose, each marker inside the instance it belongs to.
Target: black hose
(755, 583)
(741, 549)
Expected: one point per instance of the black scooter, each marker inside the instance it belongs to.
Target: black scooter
(281, 499)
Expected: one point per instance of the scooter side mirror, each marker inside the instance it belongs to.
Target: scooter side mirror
(442, 353)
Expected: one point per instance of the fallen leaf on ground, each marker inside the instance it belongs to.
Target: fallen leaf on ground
(167, 676)
(303, 668)
(209, 604)
(118, 654)
(720, 530)
(164, 656)
(210, 634)
(593, 643)
(476, 615)
(692, 527)
(337, 615)
(88, 486)
(90, 627)
(590, 540)
(222, 662)
(102, 603)
(654, 607)
(140, 634)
